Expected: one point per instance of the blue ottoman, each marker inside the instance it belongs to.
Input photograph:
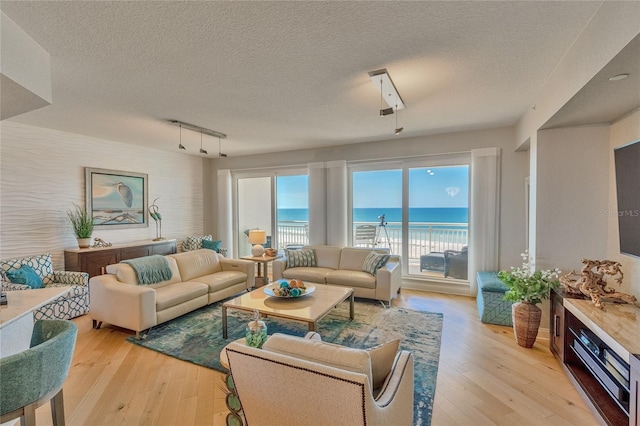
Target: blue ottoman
(493, 309)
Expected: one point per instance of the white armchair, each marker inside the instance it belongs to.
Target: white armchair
(295, 381)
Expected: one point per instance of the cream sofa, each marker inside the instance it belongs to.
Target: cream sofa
(337, 265)
(199, 278)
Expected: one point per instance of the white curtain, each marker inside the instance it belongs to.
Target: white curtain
(317, 204)
(225, 214)
(485, 210)
(336, 205)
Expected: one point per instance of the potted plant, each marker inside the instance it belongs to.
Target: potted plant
(527, 287)
(82, 225)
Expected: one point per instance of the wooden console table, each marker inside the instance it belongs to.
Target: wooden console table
(95, 260)
(588, 342)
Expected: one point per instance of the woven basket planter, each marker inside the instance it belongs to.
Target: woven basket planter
(526, 322)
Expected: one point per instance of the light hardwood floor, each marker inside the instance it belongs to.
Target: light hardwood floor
(484, 378)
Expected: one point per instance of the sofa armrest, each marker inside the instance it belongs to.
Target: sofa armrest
(71, 278)
(278, 267)
(9, 286)
(388, 281)
(126, 305)
(245, 266)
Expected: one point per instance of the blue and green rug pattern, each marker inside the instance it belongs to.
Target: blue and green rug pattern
(197, 337)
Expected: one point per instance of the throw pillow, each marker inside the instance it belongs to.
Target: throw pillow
(382, 358)
(298, 258)
(212, 245)
(374, 261)
(195, 243)
(25, 275)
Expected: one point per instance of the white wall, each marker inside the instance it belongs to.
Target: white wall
(513, 173)
(623, 131)
(42, 175)
(572, 192)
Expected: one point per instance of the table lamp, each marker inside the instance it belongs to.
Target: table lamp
(257, 237)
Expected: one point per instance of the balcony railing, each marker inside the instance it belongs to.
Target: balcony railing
(423, 237)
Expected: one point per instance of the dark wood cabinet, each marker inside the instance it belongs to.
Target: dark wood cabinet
(596, 363)
(94, 260)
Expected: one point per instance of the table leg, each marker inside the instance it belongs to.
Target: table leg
(312, 326)
(224, 322)
(351, 313)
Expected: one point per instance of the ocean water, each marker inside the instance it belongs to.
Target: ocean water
(392, 215)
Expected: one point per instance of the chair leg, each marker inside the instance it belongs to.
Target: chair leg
(57, 409)
(29, 416)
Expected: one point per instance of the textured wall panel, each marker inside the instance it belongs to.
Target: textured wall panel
(42, 175)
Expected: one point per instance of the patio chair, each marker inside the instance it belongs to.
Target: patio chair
(456, 263)
(365, 236)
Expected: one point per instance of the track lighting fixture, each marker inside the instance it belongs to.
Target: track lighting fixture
(202, 131)
(389, 94)
(202, 151)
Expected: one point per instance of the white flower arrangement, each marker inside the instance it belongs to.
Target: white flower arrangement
(528, 285)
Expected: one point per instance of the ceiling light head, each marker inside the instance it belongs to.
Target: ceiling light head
(203, 151)
(619, 77)
(399, 130)
(386, 111)
(180, 146)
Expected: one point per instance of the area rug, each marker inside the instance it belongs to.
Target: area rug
(197, 337)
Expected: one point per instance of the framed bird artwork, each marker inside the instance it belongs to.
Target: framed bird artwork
(117, 199)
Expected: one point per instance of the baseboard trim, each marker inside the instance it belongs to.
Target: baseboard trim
(447, 287)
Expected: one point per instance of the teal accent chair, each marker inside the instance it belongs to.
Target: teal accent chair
(36, 375)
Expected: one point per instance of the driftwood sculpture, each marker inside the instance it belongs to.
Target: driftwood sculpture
(592, 283)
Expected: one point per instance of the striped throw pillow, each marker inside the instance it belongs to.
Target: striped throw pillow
(300, 258)
(374, 261)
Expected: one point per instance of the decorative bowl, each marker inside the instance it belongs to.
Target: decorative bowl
(269, 291)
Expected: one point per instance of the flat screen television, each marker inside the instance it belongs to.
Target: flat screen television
(627, 164)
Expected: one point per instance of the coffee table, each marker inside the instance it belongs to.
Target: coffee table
(310, 309)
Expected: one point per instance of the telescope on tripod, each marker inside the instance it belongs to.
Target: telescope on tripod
(382, 225)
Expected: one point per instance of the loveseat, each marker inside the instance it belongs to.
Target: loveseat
(345, 266)
(198, 278)
(73, 304)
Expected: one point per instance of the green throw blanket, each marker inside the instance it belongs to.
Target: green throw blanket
(150, 269)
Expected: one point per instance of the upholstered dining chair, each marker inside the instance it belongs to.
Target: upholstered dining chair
(30, 378)
(303, 381)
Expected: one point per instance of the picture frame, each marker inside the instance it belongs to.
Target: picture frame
(117, 199)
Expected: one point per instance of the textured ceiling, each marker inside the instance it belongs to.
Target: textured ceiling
(277, 76)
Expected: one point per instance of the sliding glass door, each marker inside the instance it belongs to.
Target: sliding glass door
(276, 202)
(418, 209)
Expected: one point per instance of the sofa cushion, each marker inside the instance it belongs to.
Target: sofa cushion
(175, 294)
(193, 264)
(374, 261)
(26, 275)
(305, 257)
(336, 356)
(313, 275)
(353, 258)
(351, 278)
(327, 256)
(126, 274)
(40, 263)
(222, 280)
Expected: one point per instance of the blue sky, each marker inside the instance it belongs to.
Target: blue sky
(429, 187)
